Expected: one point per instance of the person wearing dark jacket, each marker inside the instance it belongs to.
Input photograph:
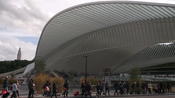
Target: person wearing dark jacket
(31, 89)
(87, 89)
(54, 90)
(47, 89)
(98, 89)
(5, 92)
(116, 88)
(82, 89)
(107, 90)
(66, 88)
(5, 83)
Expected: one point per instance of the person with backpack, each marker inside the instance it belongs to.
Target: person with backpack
(14, 90)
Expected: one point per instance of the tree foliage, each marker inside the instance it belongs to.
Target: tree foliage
(135, 80)
(91, 80)
(39, 65)
(135, 75)
(41, 78)
(7, 66)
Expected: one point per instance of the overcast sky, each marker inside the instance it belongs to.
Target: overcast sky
(21, 23)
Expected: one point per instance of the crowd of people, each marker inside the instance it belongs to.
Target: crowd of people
(125, 88)
(13, 88)
(50, 91)
(141, 88)
(86, 89)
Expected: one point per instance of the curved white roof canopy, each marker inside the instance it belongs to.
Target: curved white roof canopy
(110, 33)
(157, 54)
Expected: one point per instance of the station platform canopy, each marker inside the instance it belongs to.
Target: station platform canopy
(118, 35)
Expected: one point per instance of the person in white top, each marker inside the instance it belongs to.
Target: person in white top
(14, 90)
(17, 91)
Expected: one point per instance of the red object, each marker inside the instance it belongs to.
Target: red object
(76, 93)
(4, 91)
(65, 88)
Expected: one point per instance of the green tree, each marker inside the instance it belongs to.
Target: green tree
(135, 75)
(6, 66)
(135, 79)
(39, 65)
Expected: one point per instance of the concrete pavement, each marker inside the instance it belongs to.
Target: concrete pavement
(129, 96)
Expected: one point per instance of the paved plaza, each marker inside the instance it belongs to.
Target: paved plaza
(132, 96)
(159, 96)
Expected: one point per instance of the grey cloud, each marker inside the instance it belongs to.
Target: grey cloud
(27, 18)
(35, 12)
(22, 13)
(9, 47)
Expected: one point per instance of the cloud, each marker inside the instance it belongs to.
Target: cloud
(22, 21)
(22, 16)
(9, 47)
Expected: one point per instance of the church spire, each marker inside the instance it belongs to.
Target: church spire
(19, 54)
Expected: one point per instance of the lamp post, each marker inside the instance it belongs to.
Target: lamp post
(85, 70)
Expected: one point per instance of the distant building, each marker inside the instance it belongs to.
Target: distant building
(19, 54)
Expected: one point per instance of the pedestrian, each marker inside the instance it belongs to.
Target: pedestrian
(31, 86)
(107, 91)
(87, 89)
(47, 89)
(5, 83)
(66, 88)
(98, 89)
(14, 90)
(144, 88)
(44, 90)
(126, 87)
(54, 90)
(116, 88)
(101, 88)
(150, 88)
(17, 91)
(121, 88)
(82, 89)
(133, 88)
(168, 88)
(5, 92)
